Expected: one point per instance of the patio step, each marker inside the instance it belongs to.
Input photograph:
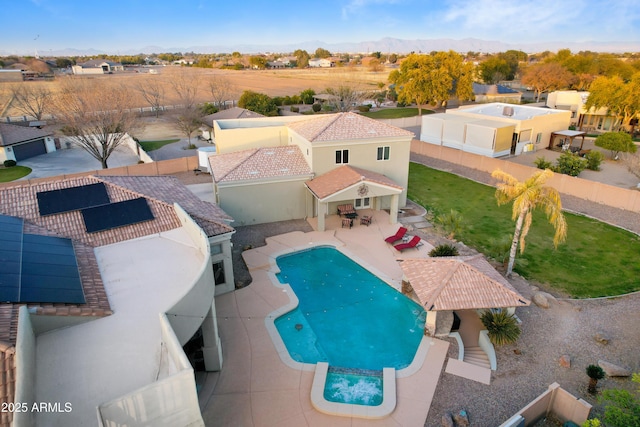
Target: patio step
(476, 356)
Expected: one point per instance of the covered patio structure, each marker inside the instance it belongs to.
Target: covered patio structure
(350, 185)
(454, 292)
(566, 140)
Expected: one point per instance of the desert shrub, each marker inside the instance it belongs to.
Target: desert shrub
(595, 373)
(9, 163)
(570, 164)
(295, 109)
(316, 107)
(363, 108)
(450, 223)
(327, 107)
(208, 108)
(594, 159)
(444, 250)
(502, 327)
(542, 163)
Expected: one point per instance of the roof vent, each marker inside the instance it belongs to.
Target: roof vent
(507, 111)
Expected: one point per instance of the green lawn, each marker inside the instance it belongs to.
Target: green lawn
(154, 145)
(13, 173)
(596, 260)
(395, 113)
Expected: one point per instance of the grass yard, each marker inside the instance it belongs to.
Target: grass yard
(13, 173)
(154, 145)
(395, 113)
(596, 260)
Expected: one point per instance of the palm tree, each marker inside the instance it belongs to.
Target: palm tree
(595, 373)
(527, 196)
(502, 327)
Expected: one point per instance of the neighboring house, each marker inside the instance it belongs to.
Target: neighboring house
(376, 154)
(495, 129)
(105, 279)
(11, 76)
(230, 113)
(97, 66)
(573, 101)
(276, 64)
(22, 142)
(321, 63)
(496, 93)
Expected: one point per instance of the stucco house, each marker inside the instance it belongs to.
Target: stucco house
(495, 129)
(105, 279)
(597, 120)
(321, 63)
(310, 164)
(97, 66)
(495, 93)
(22, 142)
(229, 113)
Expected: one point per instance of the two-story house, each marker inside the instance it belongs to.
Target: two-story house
(280, 168)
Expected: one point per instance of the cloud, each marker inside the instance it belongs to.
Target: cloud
(357, 6)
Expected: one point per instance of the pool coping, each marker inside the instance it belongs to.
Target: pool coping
(383, 410)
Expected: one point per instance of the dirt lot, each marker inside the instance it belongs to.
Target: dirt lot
(271, 82)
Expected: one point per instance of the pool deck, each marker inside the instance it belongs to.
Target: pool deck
(255, 387)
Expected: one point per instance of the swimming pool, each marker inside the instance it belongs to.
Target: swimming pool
(346, 316)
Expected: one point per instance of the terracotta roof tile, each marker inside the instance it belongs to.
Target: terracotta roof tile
(345, 126)
(459, 283)
(262, 163)
(344, 177)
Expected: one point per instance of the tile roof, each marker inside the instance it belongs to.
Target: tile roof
(13, 134)
(259, 163)
(230, 113)
(345, 126)
(459, 283)
(7, 380)
(343, 177)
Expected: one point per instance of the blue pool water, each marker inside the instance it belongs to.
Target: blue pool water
(346, 316)
(356, 389)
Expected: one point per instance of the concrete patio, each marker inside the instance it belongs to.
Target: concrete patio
(256, 388)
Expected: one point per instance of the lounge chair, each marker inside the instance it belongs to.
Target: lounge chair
(413, 243)
(346, 210)
(347, 222)
(399, 235)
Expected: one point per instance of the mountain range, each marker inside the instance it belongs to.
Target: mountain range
(385, 45)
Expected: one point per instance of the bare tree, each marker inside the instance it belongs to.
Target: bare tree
(152, 90)
(222, 90)
(96, 115)
(188, 121)
(344, 97)
(187, 118)
(31, 99)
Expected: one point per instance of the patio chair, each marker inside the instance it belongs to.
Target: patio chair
(365, 220)
(347, 222)
(399, 235)
(345, 210)
(413, 243)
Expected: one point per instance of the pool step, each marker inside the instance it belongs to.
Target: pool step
(476, 356)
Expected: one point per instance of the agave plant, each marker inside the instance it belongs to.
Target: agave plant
(502, 327)
(444, 250)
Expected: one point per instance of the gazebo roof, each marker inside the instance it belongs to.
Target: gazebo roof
(569, 133)
(459, 283)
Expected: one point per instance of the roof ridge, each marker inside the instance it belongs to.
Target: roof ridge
(133, 192)
(445, 280)
(491, 279)
(332, 121)
(255, 151)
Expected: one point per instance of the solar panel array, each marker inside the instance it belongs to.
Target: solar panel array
(36, 268)
(72, 198)
(117, 214)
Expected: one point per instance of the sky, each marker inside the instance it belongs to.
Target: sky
(119, 26)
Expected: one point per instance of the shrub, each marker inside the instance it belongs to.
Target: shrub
(327, 107)
(502, 327)
(316, 107)
(451, 223)
(364, 108)
(444, 250)
(295, 109)
(616, 142)
(595, 373)
(542, 163)
(9, 163)
(570, 164)
(594, 159)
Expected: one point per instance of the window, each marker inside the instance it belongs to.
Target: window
(362, 203)
(342, 157)
(383, 153)
(218, 273)
(539, 138)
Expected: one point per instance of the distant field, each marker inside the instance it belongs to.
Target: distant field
(271, 82)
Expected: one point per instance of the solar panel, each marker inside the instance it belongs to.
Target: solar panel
(10, 251)
(117, 214)
(37, 268)
(72, 199)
